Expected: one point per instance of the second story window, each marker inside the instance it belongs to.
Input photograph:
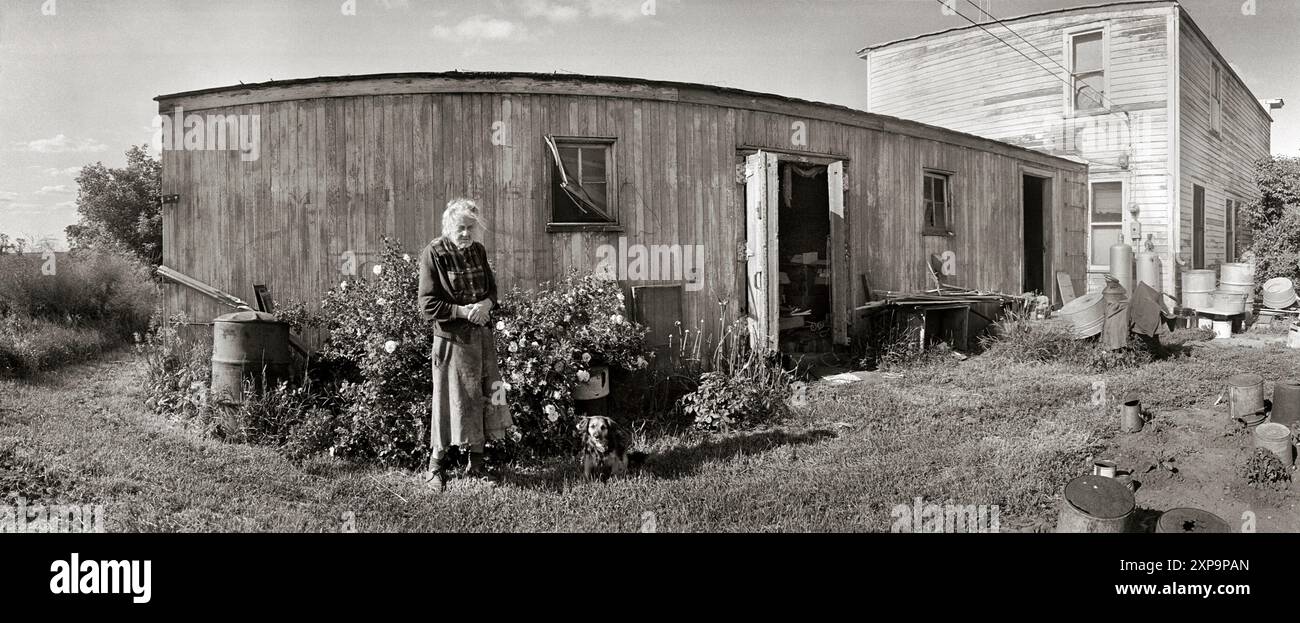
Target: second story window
(1088, 70)
(938, 199)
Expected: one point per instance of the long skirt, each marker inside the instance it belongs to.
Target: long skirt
(465, 380)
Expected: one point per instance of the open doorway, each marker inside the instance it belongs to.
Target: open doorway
(797, 252)
(1036, 196)
(804, 226)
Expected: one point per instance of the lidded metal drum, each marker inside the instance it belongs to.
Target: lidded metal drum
(247, 344)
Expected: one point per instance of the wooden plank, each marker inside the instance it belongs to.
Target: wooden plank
(1065, 287)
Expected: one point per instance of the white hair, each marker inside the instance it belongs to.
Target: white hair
(460, 209)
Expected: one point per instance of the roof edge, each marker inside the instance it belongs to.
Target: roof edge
(1093, 7)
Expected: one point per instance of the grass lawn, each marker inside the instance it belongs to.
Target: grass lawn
(981, 431)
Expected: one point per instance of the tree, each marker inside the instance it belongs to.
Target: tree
(119, 208)
(1274, 219)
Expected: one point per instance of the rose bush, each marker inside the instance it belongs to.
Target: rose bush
(378, 350)
(548, 341)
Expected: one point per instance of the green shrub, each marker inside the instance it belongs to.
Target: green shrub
(735, 387)
(178, 368)
(88, 287)
(28, 346)
(723, 402)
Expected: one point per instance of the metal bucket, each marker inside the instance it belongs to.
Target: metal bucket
(1095, 504)
(1246, 397)
(1237, 272)
(1228, 303)
(1198, 281)
(1279, 293)
(1276, 438)
(1200, 301)
(1085, 313)
(1286, 403)
(595, 387)
(245, 345)
(1189, 520)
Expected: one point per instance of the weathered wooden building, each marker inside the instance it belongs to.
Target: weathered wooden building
(747, 203)
(1169, 130)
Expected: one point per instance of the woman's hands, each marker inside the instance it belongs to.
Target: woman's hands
(478, 313)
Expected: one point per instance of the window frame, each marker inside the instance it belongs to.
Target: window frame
(1092, 225)
(1068, 53)
(607, 143)
(946, 228)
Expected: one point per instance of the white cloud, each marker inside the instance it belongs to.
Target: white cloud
(65, 205)
(56, 172)
(569, 10)
(621, 10)
(481, 28)
(54, 190)
(551, 10)
(61, 144)
(7, 196)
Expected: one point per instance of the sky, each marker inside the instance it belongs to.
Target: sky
(78, 77)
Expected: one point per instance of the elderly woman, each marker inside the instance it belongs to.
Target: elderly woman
(457, 293)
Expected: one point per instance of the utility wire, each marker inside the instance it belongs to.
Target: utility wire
(1040, 50)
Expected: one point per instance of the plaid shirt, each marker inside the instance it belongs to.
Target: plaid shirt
(453, 276)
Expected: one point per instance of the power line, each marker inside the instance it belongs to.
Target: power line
(1040, 51)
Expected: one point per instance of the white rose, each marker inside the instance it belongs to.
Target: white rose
(584, 376)
(343, 285)
(390, 345)
(406, 257)
(616, 319)
(378, 269)
(501, 325)
(381, 301)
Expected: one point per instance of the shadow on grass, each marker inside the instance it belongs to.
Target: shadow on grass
(674, 463)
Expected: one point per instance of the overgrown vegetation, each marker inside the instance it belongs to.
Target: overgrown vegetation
(1274, 219)
(54, 310)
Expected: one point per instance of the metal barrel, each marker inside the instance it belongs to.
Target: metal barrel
(247, 344)
(1189, 520)
(1095, 504)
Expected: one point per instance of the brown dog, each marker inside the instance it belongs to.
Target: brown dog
(604, 448)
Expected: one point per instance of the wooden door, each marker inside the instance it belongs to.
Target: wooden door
(841, 276)
(761, 283)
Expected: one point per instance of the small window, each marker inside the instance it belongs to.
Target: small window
(1216, 102)
(1106, 221)
(1198, 227)
(1088, 71)
(938, 198)
(581, 188)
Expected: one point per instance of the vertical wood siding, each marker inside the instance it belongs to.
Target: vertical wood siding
(328, 168)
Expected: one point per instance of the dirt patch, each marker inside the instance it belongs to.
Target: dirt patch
(1193, 458)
